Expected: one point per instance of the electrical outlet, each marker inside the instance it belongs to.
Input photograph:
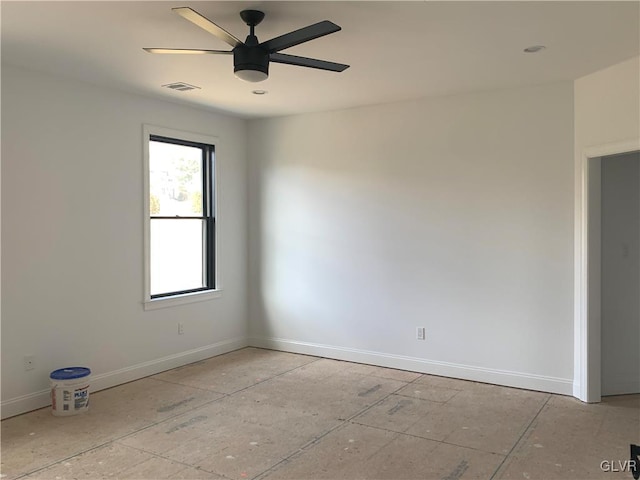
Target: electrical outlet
(29, 362)
(180, 328)
(420, 333)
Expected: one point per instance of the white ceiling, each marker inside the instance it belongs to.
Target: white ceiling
(397, 50)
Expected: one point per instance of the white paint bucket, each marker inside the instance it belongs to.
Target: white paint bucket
(69, 390)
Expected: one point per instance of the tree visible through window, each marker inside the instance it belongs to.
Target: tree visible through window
(182, 220)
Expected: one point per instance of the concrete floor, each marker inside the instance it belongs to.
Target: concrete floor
(273, 415)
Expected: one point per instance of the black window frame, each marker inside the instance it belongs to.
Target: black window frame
(208, 214)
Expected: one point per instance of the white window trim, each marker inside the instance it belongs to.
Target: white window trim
(185, 298)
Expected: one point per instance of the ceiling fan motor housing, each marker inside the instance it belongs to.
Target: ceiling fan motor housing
(250, 61)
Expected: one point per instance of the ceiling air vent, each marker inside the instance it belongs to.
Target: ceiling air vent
(180, 86)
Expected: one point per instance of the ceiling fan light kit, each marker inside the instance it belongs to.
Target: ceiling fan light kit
(251, 73)
(251, 58)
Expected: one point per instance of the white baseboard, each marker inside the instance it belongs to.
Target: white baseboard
(563, 386)
(42, 398)
(33, 401)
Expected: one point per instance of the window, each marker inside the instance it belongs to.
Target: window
(180, 219)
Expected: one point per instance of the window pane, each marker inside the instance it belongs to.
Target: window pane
(177, 249)
(175, 179)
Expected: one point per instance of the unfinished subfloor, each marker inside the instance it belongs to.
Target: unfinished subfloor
(263, 414)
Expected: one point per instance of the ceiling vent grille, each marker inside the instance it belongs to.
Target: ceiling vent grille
(180, 86)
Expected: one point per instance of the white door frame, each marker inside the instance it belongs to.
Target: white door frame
(587, 357)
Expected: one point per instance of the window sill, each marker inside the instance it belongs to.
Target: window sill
(164, 302)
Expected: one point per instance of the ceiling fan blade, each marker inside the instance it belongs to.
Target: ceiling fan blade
(206, 24)
(188, 51)
(302, 35)
(307, 62)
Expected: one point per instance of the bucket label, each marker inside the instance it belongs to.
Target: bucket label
(80, 397)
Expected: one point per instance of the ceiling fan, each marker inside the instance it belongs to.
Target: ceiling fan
(250, 58)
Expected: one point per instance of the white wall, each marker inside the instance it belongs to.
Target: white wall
(620, 274)
(607, 106)
(452, 213)
(72, 245)
(607, 121)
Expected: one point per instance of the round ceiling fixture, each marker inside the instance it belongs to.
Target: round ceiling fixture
(259, 92)
(534, 49)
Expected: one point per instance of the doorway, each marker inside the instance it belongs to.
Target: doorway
(620, 273)
(588, 344)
